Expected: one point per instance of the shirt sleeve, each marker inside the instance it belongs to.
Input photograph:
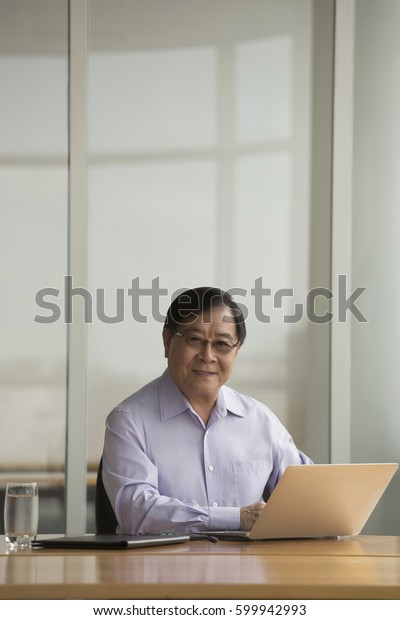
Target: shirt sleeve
(285, 453)
(131, 481)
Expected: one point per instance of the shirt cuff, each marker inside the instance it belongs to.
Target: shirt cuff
(224, 518)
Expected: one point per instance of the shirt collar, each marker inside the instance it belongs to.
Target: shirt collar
(233, 401)
(173, 402)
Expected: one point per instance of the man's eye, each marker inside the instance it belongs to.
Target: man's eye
(193, 340)
(222, 344)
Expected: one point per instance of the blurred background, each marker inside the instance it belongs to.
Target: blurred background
(210, 161)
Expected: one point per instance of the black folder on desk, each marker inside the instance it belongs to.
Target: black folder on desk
(109, 541)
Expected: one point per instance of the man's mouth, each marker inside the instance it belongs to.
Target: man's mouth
(204, 373)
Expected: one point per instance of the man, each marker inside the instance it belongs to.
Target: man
(186, 453)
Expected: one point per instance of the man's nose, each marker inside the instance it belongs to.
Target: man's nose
(207, 352)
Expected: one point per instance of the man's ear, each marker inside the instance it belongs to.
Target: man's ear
(166, 334)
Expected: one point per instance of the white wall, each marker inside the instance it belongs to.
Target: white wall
(375, 421)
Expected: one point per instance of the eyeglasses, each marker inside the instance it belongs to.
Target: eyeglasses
(218, 346)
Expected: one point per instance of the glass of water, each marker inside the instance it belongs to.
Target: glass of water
(21, 514)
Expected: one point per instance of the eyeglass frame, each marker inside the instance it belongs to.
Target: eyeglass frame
(202, 341)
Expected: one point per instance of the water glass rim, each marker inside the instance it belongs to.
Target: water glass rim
(25, 485)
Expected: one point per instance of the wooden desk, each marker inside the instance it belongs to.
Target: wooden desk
(363, 567)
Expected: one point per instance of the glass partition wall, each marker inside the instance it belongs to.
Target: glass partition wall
(199, 149)
(199, 143)
(34, 238)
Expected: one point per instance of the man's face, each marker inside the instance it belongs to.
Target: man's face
(197, 369)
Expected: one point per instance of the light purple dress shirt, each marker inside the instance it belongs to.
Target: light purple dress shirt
(164, 470)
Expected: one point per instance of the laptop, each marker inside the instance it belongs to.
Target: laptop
(319, 501)
(109, 541)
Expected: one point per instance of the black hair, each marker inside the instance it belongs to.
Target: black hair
(191, 303)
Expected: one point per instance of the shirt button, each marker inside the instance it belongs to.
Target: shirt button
(215, 504)
(210, 468)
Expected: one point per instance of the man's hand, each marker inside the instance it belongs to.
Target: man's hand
(250, 514)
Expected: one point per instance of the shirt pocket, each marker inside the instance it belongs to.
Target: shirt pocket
(250, 478)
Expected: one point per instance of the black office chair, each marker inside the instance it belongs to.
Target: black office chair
(106, 521)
